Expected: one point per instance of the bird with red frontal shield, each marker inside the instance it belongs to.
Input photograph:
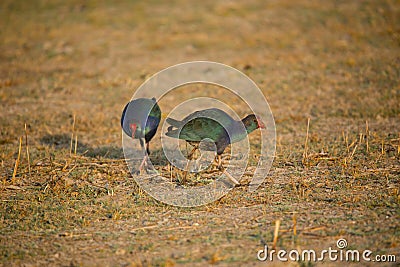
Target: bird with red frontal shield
(214, 124)
(140, 119)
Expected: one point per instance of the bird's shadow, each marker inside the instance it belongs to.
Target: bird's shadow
(63, 142)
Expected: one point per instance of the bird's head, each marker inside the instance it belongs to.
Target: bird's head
(136, 129)
(260, 123)
(252, 122)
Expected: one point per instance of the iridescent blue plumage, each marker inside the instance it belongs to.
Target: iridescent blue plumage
(140, 119)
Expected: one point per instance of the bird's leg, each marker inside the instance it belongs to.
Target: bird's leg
(186, 171)
(220, 167)
(133, 129)
(219, 162)
(170, 171)
(147, 149)
(190, 156)
(198, 166)
(144, 162)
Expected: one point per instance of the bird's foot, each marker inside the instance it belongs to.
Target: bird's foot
(151, 170)
(144, 163)
(146, 170)
(144, 166)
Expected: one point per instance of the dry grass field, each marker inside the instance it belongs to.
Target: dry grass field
(67, 68)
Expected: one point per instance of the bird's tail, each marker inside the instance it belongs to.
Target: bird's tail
(172, 133)
(174, 123)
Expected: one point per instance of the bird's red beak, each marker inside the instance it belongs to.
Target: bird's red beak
(133, 127)
(261, 125)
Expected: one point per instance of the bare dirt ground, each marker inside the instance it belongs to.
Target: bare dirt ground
(335, 62)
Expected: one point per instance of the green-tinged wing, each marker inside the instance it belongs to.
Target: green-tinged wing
(198, 129)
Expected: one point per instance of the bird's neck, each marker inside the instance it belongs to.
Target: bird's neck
(239, 131)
